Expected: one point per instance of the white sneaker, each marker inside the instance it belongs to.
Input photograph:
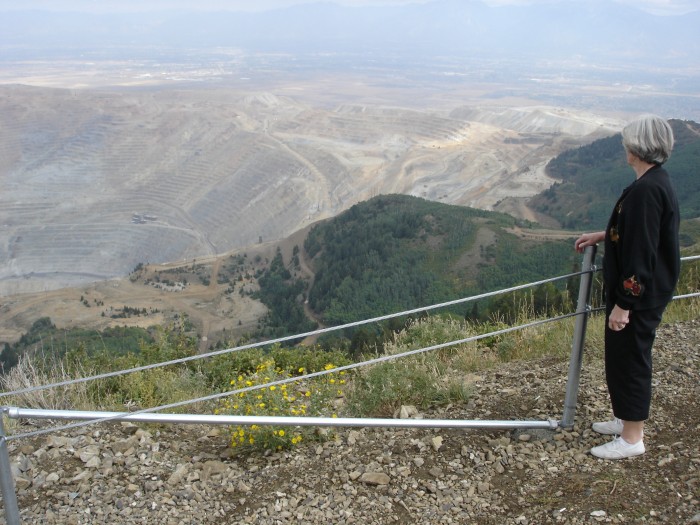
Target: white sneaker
(618, 448)
(609, 428)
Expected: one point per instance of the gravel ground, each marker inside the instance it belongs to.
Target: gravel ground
(121, 473)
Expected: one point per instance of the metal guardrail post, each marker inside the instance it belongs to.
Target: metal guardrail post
(583, 310)
(7, 484)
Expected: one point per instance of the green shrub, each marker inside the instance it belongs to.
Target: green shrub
(423, 379)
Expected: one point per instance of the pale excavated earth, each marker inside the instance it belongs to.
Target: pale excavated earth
(96, 181)
(176, 475)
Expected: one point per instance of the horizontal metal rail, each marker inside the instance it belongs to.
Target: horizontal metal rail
(106, 417)
(205, 419)
(374, 361)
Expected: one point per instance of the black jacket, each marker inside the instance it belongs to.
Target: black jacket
(642, 255)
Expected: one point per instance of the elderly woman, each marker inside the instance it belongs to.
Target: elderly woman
(641, 264)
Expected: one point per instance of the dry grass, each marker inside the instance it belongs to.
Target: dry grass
(30, 372)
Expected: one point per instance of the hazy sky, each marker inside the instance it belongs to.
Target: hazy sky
(656, 6)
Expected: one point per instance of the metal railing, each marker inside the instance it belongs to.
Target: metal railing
(582, 313)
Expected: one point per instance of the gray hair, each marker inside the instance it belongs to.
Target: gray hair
(650, 138)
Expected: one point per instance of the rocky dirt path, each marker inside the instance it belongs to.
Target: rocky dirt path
(175, 475)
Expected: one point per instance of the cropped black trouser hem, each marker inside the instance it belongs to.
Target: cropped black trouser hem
(628, 364)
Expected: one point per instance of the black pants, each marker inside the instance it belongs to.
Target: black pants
(628, 363)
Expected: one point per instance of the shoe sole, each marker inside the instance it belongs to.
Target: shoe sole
(636, 454)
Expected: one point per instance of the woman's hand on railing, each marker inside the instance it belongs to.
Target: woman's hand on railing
(588, 239)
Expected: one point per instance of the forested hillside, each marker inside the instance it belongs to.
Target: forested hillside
(46, 342)
(398, 252)
(593, 176)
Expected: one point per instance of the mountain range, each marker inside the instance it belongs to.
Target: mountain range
(600, 31)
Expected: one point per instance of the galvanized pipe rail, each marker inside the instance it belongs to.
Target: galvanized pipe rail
(206, 419)
(280, 382)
